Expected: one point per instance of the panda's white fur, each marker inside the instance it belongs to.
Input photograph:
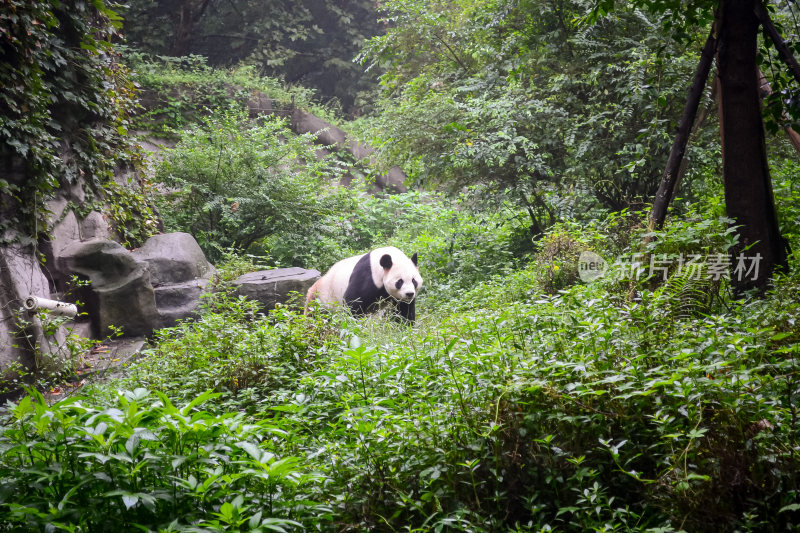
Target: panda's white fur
(363, 282)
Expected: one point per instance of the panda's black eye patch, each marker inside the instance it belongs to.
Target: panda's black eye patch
(414, 282)
(399, 283)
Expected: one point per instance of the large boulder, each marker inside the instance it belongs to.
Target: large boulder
(68, 229)
(179, 273)
(140, 291)
(173, 258)
(177, 301)
(271, 287)
(120, 294)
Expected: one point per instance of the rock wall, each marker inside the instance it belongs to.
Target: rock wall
(137, 291)
(140, 291)
(329, 135)
(20, 276)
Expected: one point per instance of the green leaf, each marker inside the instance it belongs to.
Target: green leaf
(204, 397)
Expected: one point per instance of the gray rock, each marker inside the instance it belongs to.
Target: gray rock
(178, 301)
(179, 273)
(327, 134)
(392, 181)
(120, 293)
(140, 291)
(66, 232)
(271, 287)
(101, 260)
(360, 151)
(128, 303)
(173, 258)
(259, 104)
(56, 206)
(69, 230)
(20, 277)
(95, 226)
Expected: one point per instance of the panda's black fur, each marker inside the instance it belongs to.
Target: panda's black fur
(364, 283)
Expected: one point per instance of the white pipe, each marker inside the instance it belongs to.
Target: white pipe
(54, 307)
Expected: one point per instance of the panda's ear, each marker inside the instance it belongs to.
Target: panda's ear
(386, 261)
(414, 258)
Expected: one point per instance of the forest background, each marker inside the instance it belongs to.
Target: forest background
(525, 399)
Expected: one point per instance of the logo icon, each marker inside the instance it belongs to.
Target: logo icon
(590, 266)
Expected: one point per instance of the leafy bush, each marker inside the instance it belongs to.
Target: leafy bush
(233, 350)
(64, 108)
(787, 199)
(558, 254)
(177, 89)
(143, 463)
(232, 184)
(696, 232)
(574, 412)
(460, 246)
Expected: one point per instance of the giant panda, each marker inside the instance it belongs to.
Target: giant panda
(364, 282)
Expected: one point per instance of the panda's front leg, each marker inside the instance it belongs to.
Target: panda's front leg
(407, 311)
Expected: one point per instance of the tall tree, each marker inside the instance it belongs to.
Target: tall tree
(745, 171)
(748, 189)
(513, 95)
(190, 13)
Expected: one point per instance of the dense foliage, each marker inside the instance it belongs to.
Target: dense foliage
(523, 398)
(504, 409)
(232, 185)
(176, 92)
(515, 94)
(64, 104)
(309, 43)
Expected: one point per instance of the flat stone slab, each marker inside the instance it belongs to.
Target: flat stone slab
(271, 287)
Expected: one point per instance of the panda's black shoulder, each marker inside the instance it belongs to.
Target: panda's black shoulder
(361, 293)
(363, 269)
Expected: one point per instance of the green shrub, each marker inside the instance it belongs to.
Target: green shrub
(232, 184)
(574, 412)
(578, 411)
(234, 350)
(787, 200)
(459, 246)
(143, 463)
(559, 250)
(177, 89)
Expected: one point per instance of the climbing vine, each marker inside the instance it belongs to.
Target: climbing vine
(63, 108)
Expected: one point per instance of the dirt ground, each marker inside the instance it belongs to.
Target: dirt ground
(105, 361)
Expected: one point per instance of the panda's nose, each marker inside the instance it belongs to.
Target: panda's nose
(409, 295)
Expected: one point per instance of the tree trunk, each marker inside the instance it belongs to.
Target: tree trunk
(777, 40)
(676, 156)
(191, 11)
(748, 189)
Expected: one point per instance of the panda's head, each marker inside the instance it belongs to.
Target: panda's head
(401, 277)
